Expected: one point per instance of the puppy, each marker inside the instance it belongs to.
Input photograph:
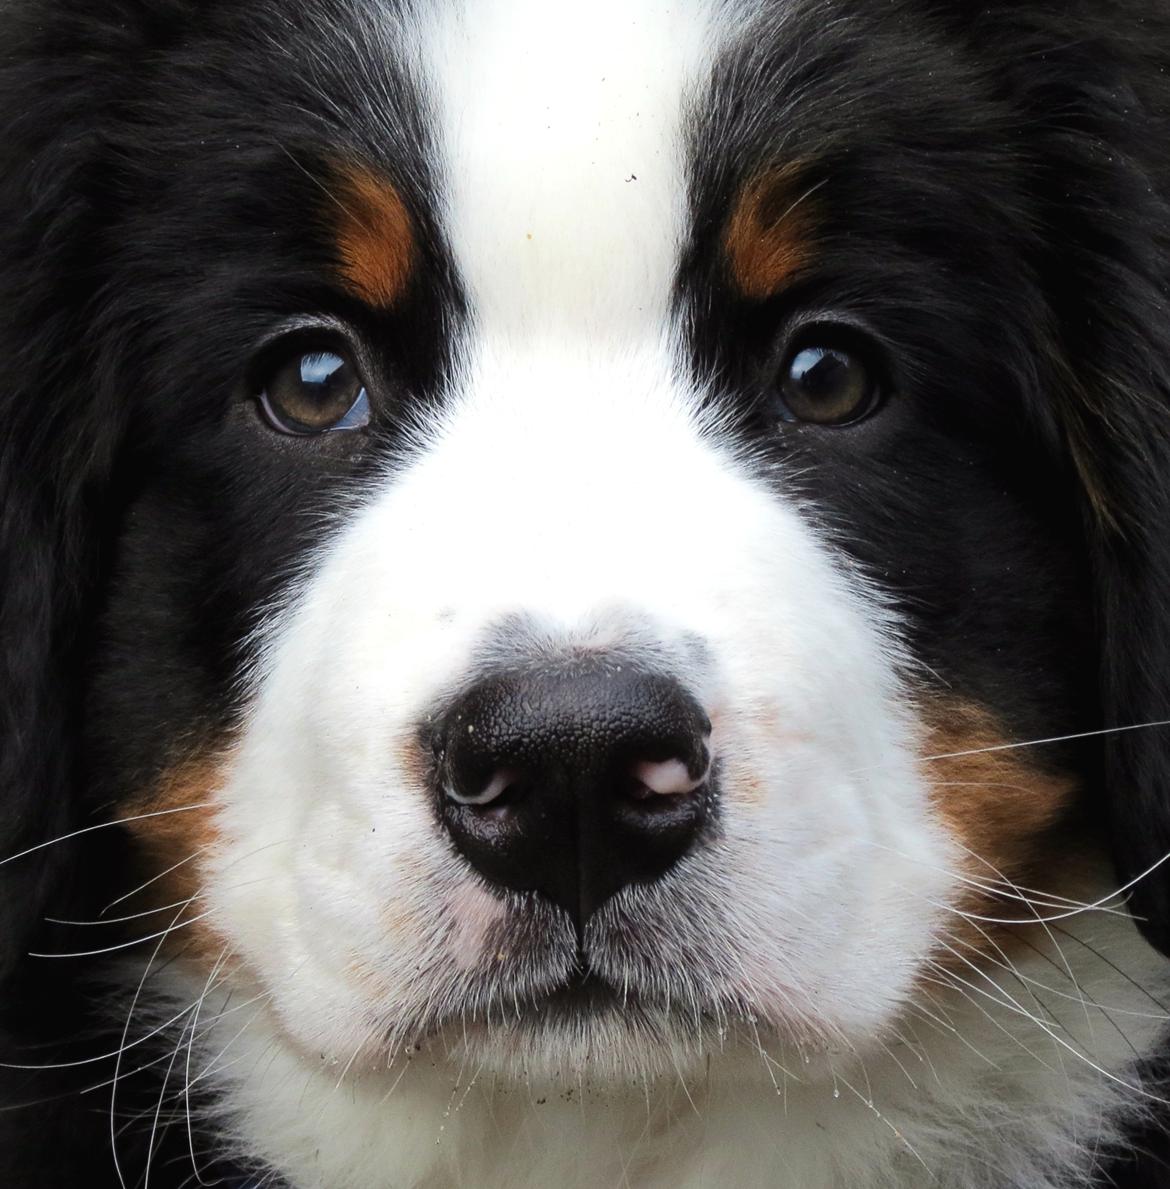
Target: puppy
(585, 593)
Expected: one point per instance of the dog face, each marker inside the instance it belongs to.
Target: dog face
(593, 523)
(581, 532)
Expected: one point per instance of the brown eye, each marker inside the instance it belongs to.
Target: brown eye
(827, 386)
(314, 392)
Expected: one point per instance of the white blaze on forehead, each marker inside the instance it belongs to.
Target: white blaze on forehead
(561, 142)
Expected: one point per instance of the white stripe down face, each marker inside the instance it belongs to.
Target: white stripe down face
(576, 505)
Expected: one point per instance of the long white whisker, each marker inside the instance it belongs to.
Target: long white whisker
(104, 1056)
(194, 1025)
(139, 817)
(978, 751)
(125, 945)
(1047, 931)
(205, 1030)
(955, 982)
(1010, 1004)
(135, 916)
(118, 1060)
(152, 1143)
(155, 878)
(1101, 905)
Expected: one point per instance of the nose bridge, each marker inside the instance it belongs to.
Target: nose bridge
(583, 476)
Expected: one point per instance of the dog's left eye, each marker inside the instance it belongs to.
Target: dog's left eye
(827, 384)
(315, 392)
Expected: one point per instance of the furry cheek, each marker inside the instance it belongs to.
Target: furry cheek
(175, 830)
(1000, 808)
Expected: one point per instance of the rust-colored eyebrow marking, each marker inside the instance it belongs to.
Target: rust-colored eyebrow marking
(375, 235)
(770, 232)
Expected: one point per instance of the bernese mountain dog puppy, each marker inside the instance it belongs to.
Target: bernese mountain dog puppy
(586, 593)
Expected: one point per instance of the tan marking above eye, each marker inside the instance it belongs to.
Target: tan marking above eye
(375, 235)
(769, 236)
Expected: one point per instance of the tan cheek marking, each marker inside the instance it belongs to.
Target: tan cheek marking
(769, 235)
(375, 236)
(1000, 808)
(176, 840)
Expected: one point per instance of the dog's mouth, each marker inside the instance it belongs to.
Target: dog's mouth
(585, 994)
(580, 1003)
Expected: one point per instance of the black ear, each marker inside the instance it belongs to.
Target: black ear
(1134, 608)
(1107, 273)
(56, 440)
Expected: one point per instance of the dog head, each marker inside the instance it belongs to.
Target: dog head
(559, 559)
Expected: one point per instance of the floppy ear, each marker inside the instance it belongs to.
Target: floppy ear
(1097, 110)
(1132, 564)
(1108, 276)
(55, 442)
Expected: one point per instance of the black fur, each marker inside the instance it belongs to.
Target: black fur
(991, 193)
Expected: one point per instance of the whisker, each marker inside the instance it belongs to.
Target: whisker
(121, 821)
(205, 1030)
(1102, 905)
(155, 878)
(1005, 889)
(118, 1059)
(155, 1138)
(210, 1068)
(124, 945)
(1009, 1004)
(194, 1024)
(1118, 970)
(102, 1057)
(110, 949)
(868, 1103)
(136, 916)
(977, 751)
(952, 982)
(1011, 968)
(1048, 932)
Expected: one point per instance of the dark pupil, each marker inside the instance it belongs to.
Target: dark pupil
(825, 385)
(315, 390)
(821, 374)
(326, 379)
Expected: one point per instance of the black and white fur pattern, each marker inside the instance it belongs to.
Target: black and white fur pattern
(562, 462)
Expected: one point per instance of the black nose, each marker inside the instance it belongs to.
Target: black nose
(576, 781)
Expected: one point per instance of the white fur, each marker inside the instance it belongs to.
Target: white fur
(1015, 1079)
(573, 481)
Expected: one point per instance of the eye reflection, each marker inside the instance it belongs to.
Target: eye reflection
(825, 385)
(315, 392)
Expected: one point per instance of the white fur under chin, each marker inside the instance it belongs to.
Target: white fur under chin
(1014, 1083)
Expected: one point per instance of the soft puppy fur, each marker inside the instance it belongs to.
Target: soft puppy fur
(584, 593)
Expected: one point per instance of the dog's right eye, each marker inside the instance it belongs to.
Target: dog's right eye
(828, 378)
(314, 392)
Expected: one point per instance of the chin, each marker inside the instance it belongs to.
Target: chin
(585, 594)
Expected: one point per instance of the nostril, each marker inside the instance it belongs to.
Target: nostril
(502, 787)
(667, 778)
